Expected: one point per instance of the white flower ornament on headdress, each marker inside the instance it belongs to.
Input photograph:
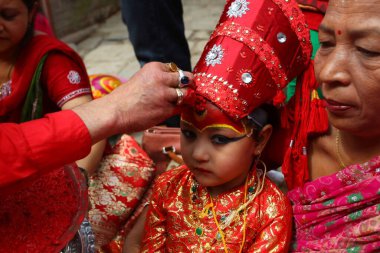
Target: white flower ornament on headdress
(238, 8)
(215, 55)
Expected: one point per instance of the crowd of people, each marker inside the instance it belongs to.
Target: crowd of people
(237, 120)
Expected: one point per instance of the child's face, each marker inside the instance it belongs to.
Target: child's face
(215, 158)
(218, 156)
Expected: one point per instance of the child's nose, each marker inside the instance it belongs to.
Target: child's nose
(200, 153)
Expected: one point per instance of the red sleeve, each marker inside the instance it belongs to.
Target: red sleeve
(64, 79)
(53, 141)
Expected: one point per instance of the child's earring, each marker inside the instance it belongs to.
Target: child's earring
(263, 169)
(250, 133)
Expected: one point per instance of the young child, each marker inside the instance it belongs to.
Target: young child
(220, 200)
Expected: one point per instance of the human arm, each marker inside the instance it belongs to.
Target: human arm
(68, 86)
(39, 145)
(65, 137)
(144, 101)
(91, 161)
(134, 238)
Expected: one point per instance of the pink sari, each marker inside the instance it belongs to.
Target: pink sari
(340, 212)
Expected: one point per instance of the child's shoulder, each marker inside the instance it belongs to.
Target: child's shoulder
(175, 176)
(271, 189)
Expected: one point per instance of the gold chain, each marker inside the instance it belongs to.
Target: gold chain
(220, 230)
(258, 189)
(338, 144)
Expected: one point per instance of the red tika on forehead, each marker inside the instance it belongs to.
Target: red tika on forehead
(256, 49)
(210, 117)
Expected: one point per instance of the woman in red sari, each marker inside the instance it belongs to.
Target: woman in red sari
(332, 167)
(39, 75)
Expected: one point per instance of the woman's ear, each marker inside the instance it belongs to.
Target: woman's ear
(263, 139)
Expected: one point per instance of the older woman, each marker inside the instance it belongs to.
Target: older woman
(337, 203)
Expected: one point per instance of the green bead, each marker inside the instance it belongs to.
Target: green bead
(218, 236)
(199, 231)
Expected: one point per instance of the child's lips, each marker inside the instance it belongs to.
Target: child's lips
(202, 170)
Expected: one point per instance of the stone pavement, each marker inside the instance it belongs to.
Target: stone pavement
(108, 51)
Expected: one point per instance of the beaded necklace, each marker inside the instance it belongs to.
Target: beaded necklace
(254, 191)
(4, 85)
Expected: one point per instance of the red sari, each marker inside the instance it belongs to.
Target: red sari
(42, 212)
(57, 88)
(174, 222)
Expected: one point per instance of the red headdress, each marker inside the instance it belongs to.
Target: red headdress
(314, 11)
(255, 50)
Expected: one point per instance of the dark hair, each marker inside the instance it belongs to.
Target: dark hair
(29, 3)
(266, 114)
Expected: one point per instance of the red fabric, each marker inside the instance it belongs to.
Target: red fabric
(116, 189)
(177, 206)
(56, 84)
(32, 147)
(313, 19)
(268, 41)
(10, 106)
(42, 204)
(41, 214)
(41, 23)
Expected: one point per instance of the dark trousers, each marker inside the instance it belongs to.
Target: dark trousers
(156, 30)
(157, 33)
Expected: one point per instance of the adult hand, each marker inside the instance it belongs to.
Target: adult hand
(147, 99)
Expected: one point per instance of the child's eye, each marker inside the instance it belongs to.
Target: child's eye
(188, 134)
(221, 139)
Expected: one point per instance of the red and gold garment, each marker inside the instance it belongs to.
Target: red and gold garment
(116, 191)
(177, 220)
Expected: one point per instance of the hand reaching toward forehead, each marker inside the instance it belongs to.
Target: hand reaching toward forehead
(147, 99)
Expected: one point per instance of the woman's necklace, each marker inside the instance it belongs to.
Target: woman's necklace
(3, 84)
(338, 144)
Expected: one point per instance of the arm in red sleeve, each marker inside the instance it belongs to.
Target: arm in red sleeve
(39, 145)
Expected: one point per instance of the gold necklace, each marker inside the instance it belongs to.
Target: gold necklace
(257, 189)
(338, 144)
(220, 230)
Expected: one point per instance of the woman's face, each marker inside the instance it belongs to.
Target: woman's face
(14, 20)
(348, 65)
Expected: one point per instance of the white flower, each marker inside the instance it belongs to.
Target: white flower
(238, 8)
(215, 55)
(74, 77)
